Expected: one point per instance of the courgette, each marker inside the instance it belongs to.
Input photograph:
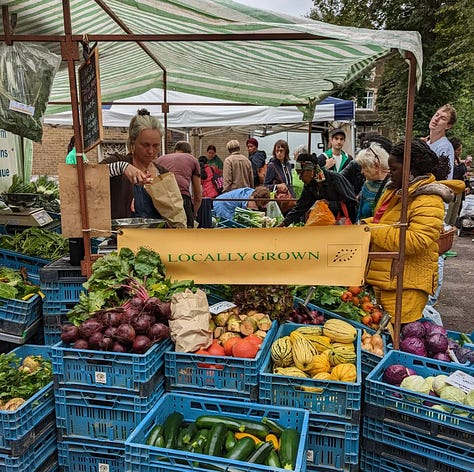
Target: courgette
(273, 461)
(199, 440)
(171, 428)
(153, 435)
(259, 456)
(273, 426)
(216, 439)
(242, 449)
(288, 452)
(208, 421)
(230, 440)
(189, 432)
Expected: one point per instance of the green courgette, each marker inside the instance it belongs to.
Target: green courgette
(230, 440)
(242, 449)
(259, 456)
(273, 461)
(234, 424)
(273, 426)
(189, 432)
(153, 435)
(171, 428)
(179, 440)
(288, 452)
(216, 439)
(198, 440)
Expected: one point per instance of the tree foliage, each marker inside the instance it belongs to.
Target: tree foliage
(446, 28)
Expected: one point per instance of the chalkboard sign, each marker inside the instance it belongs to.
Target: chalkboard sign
(91, 103)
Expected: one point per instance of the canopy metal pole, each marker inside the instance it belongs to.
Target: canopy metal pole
(310, 126)
(400, 262)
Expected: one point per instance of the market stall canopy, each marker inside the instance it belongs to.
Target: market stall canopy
(256, 67)
(120, 113)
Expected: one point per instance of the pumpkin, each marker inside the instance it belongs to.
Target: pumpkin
(282, 352)
(253, 338)
(245, 349)
(341, 355)
(215, 349)
(303, 353)
(229, 344)
(339, 331)
(344, 373)
(320, 363)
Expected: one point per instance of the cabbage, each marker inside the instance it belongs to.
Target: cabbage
(415, 383)
(469, 399)
(429, 381)
(415, 329)
(454, 395)
(438, 383)
(395, 373)
(431, 328)
(436, 342)
(413, 345)
(442, 356)
(465, 355)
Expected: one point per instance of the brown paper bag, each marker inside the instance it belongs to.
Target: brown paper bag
(189, 322)
(167, 199)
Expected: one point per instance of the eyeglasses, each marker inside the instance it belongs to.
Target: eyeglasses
(374, 154)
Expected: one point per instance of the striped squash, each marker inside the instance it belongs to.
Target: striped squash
(339, 331)
(282, 352)
(341, 355)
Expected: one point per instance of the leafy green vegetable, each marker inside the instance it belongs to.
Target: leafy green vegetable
(14, 284)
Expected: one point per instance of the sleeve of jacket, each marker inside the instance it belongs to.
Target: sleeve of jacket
(304, 203)
(227, 175)
(270, 176)
(345, 193)
(425, 219)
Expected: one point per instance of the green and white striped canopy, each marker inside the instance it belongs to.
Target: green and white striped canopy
(265, 72)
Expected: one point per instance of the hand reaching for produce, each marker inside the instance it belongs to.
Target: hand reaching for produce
(136, 176)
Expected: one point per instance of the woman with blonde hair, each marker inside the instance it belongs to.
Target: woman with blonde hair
(373, 161)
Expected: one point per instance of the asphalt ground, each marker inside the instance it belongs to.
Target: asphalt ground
(455, 303)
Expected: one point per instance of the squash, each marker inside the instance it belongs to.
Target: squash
(339, 331)
(245, 349)
(290, 372)
(229, 344)
(320, 363)
(322, 376)
(345, 345)
(310, 331)
(344, 373)
(282, 352)
(341, 355)
(303, 353)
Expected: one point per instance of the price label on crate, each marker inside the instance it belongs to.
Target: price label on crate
(220, 307)
(103, 467)
(461, 380)
(100, 377)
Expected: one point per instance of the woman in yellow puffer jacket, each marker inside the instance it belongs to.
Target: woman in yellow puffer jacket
(424, 219)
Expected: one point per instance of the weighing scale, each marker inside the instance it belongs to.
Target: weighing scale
(20, 212)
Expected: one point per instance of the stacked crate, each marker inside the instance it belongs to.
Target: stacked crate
(100, 399)
(401, 431)
(61, 284)
(334, 407)
(28, 434)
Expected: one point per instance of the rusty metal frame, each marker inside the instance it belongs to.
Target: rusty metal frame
(69, 52)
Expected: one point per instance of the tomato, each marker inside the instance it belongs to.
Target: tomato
(356, 300)
(367, 319)
(367, 306)
(355, 290)
(364, 299)
(346, 296)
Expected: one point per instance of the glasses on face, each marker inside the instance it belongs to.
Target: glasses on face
(374, 154)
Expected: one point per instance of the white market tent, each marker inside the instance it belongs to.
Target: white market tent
(214, 48)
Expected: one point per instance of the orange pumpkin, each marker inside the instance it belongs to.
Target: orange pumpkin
(253, 338)
(244, 348)
(215, 349)
(230, 344)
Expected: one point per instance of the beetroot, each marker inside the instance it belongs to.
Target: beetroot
(95, 340)
(81, 344)
(89, 327)
(69, 333)
(141, 324)
(158, 332)
(141, 344)
(135, 303)
(110, 332)
(117, 347)
(111, 319)
(106, 344)
(125, 334)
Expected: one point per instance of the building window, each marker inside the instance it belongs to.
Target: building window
(107, 148)
(368, 101)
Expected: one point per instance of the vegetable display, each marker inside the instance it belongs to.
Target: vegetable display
(259, 442)
(36, 242)
(253, 218)
(21, 379)
(14, 284)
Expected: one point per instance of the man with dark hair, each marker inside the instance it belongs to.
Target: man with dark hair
(335, 158)
(257, 159)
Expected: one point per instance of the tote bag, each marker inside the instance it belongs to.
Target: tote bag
(167, 199)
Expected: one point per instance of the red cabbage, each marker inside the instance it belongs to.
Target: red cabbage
(395, 373)
(431, 328)
(436, 343)
(442, 356)
(415, 329)
(413, 345)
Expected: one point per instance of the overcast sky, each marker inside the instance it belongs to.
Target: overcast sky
(290, 7)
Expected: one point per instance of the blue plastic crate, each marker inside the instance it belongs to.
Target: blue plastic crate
(51, 335)
(379, 393)
(332, 444)
(336, 399)
(36, 458)
(61, 271)
(380, 457)
(90, 457)
(139, 456)
(229, 224)
(412, 439)
(108, 417)
(17, 315)
(127, 372)
(16, 260)
(60, 297)
(217, 375)
(19, 425)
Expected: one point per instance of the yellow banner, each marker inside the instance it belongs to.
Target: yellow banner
(323, 255)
